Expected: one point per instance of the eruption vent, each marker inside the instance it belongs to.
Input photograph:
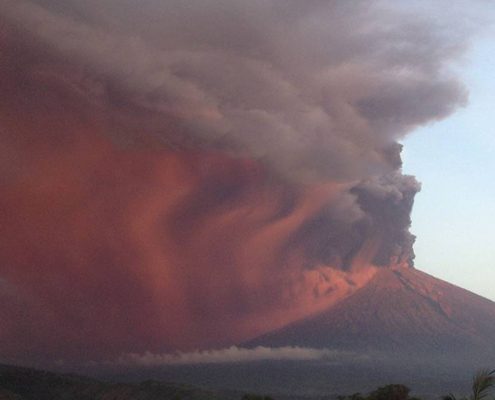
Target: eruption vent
(194, 174)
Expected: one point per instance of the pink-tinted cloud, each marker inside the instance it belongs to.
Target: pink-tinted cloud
(205, 174)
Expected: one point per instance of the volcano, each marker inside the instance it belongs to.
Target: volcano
(401, 312)
(402, 326)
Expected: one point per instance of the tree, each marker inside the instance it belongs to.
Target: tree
(390, 392)
(483, 385)
(354, 396)
(249, 396)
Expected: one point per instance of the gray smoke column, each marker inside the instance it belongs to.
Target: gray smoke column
(315, 91)
(248, 111)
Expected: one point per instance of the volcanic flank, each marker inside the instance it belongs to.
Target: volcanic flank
(403, 312)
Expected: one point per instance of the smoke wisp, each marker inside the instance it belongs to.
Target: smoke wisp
(232, 354)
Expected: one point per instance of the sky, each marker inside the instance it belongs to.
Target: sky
(454, 213)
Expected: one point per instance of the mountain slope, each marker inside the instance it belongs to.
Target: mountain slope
(401, 310)
(18, 383)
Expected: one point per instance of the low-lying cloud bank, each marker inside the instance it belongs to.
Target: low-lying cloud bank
(232, 354)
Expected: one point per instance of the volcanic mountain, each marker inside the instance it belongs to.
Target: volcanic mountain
(402, 326)
(399, 311)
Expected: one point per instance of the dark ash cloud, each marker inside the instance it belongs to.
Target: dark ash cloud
(287, 84)
(179, 175)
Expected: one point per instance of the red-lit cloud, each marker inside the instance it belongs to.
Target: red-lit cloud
(181, 186)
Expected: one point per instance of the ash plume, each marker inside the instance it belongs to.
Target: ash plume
(187, 174)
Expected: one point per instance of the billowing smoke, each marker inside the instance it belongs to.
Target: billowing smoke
(181, 174)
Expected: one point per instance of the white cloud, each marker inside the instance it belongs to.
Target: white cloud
(232, 354)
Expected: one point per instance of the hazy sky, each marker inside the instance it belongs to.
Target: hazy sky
(454, 214)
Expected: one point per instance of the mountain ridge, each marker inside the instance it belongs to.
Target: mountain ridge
(21, 383)
(399, 310)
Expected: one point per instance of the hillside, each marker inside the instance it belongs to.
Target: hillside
(18, 383)
(399, 311)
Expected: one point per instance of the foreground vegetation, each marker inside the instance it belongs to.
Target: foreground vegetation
(482, 388)
(28, 384)
(389, 392)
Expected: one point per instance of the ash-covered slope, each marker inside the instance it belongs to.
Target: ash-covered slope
(399, 311)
